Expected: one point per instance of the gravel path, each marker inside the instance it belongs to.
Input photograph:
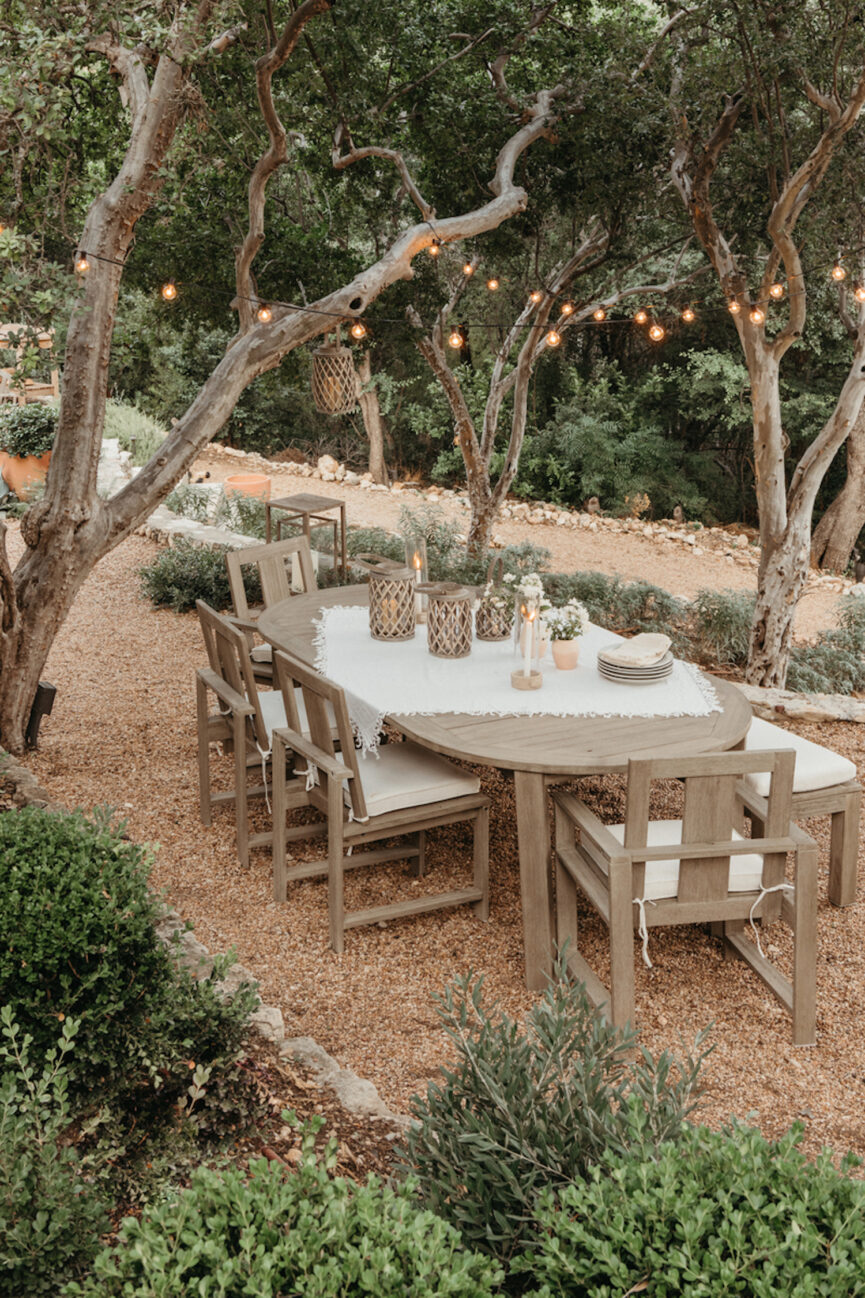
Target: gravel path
(123, 733)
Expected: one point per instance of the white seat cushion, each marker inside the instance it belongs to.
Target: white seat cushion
(662, 877)
(816, 767)
(404, 775)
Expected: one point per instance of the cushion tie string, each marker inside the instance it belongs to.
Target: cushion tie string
(643, 928)
(311, 776)
(265, 754)
(764, 892)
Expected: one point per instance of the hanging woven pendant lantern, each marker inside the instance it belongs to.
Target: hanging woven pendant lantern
(334, 382)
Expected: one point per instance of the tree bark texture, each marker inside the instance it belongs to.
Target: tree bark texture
(373, 422)
(836, 534)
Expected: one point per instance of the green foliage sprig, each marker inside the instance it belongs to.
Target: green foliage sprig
(525, 1108)
(27, 430)
(183, 573)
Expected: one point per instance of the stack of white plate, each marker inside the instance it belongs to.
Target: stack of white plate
(623, 675)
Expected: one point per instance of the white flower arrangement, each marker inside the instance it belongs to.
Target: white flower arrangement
(528, 588)
(568, 622)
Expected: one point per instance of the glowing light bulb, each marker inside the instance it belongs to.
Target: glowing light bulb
(600, 314)
(838, 272)
(859, 293)
(657, 333)
(2, 227)
(757, 315)
(456, 340)
(82, 265)
(553, 338)
(688, 315)
(492, 285)
(358, 330)
(264, 313)
(468, 269)
(536, 295)
(733, 307)
(777, 292)
(640, 317)
(435, 248)
(567, 308)
(169, 290)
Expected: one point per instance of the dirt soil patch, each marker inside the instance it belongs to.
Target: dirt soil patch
(123, 733)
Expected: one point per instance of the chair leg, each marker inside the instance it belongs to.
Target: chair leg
(621, 944)
(241, 801)
(204, 804)
(566, 889)
(280, 759)
(805, 947)
(417, 869)
(481, 848)
(844, 852)
(335, 865)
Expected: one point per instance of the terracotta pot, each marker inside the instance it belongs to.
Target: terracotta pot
(24, 472)
(248, 484)
(566, 654)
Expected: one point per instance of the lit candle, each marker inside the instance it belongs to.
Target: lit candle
(418, 598)
(530, 615)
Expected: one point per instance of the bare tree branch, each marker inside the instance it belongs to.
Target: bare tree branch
(129, 66)
(471, 43)
(225, 40)
(342, 160)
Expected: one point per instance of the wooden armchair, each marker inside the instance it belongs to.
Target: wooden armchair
(695, 870)
(274, 564)
(243, 724)
(404, 791)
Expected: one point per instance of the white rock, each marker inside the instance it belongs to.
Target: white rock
(327, 464)
(327, 476)
(741, 542)
(232, 450)
(268, 1021)
(352, 478)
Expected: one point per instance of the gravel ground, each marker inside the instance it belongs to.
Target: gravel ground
(123, 734)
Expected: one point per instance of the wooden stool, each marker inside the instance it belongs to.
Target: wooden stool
(303, 510)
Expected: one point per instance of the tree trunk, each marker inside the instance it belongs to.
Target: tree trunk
(783, 573)
(484, 512)
(372, 422)
(836, 533)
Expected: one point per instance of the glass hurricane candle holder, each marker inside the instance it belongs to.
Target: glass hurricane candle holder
(416, 562)
(528, 675)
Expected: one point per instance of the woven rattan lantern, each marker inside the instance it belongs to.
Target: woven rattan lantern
(334, 382)
(494, 618)
(449, 619)
(391, 603)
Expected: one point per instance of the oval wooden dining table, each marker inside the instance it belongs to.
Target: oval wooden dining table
(539, 750)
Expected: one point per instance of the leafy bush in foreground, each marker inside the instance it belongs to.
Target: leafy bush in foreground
(50, 1217)
(184, 573)
(716, 1214)
(835, 664)
(525, 1109)
(722, 625)
(278, 1232)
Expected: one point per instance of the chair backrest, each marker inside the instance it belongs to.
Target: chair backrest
(321, 722)
(711, 787)
(274, 567)
(228, 655)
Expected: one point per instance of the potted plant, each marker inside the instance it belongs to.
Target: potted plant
(565, 625)
(26, 438)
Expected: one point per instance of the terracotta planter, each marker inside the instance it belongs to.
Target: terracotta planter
(248, 484)
(566, 654)
(24, 472)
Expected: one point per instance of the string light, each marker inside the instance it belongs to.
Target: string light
(733, 307)
(435, 248)
(468, 269)
(777, 292)
(358, 330)
(600, 314)
(567, 308)
(657, 333)
(756, 315)
(641, 316)
(82, 265)
(535, 295)
(456, 340)
(492, 285)
(169, 290)
(838, 272)
(688, 315)
(859, 293)
(553, 338)
(264, 313)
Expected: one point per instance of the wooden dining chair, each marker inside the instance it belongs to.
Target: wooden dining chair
(242, 724)
(699, 869)
(404, 790)
(274, 563)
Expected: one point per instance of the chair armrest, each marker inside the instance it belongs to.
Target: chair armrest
(800, 838)
(242, 623)
(298, 744)
(588, 823)
(230, 697)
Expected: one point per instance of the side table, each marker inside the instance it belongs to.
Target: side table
(303, 510)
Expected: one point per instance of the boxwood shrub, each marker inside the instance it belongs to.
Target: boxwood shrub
(717, 1213)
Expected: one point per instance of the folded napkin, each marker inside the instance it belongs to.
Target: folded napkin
(642, 651)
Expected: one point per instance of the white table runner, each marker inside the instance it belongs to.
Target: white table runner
(404, 677)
